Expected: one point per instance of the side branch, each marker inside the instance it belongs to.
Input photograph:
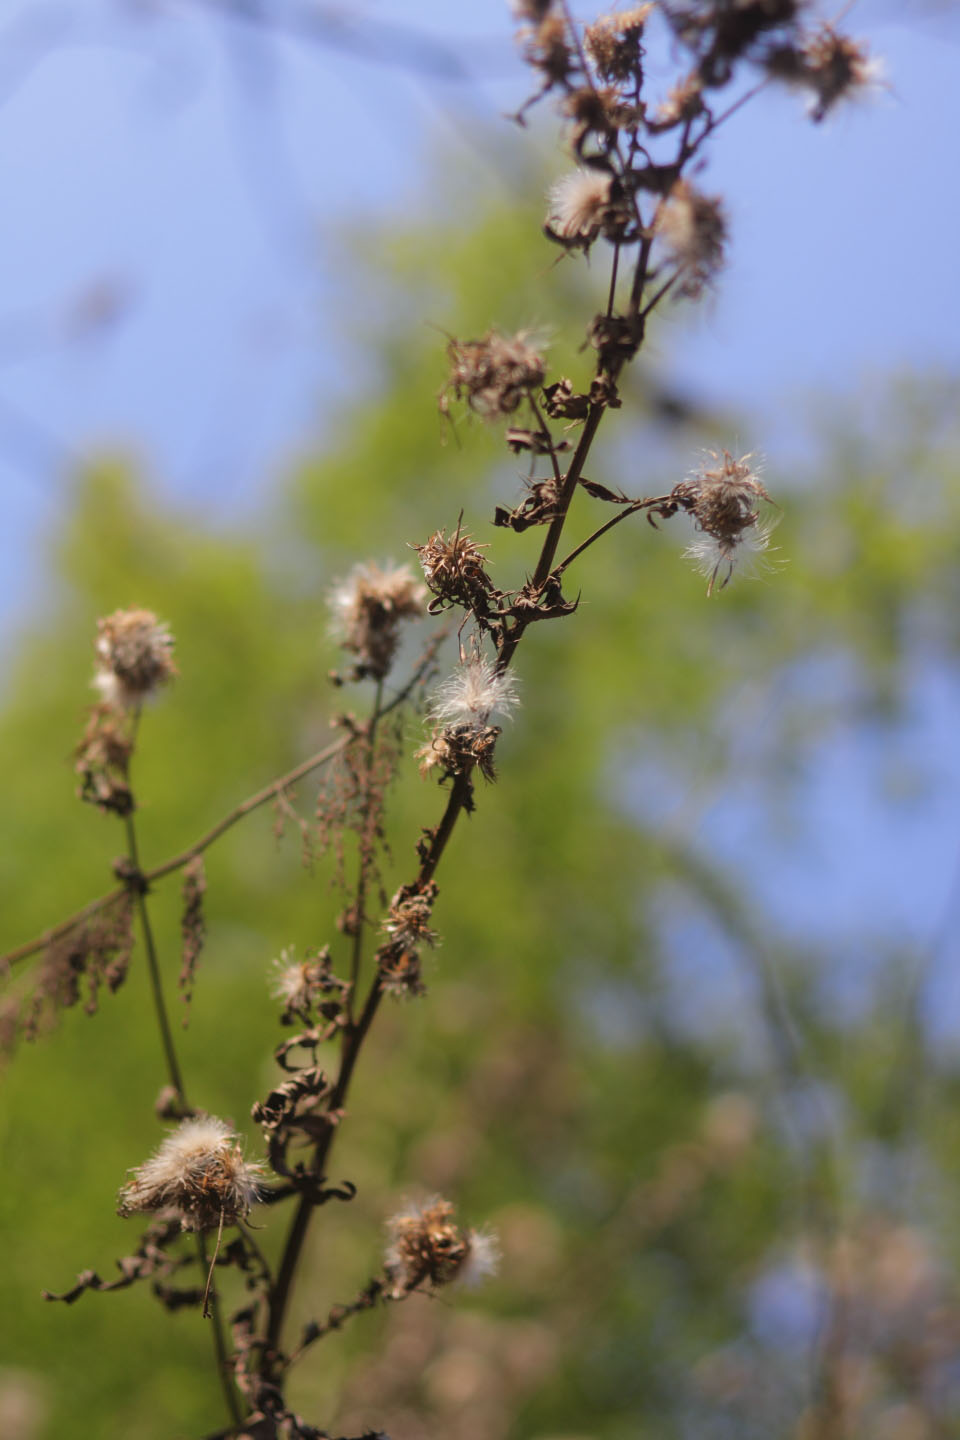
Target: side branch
(246, 807)
(177, 862)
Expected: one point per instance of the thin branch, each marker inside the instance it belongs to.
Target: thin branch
(174, 1073)
(364, 857)
(211, 1302)
(246, 807)
(631, 509)
(336, 1319)
(554, 461)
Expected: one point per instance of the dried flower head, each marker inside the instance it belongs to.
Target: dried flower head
(299, 984)
(134, 657)
(399, 970)
(684, 102)
(199, 1174)
(475, 691)
(425, 1245)
(613, 43)
(724, 497)
(598, 112)
(456, 749)
(833, 66)
(407, 922)
(494, 374)
(546, 45)
(578, 205)
(368, 607)
(692, 228)
(455, 570)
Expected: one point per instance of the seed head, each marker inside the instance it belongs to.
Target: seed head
(714, 557)
(455, 570)
(399, 970)
(692, 228)
(407, 922)
(368, 607)
(425, 1245)
(456, 749)
(613, 43)
(494, 374)
(684, 102)
(134, 657)
(199, 1174)
(578, 204)
(473, 693)
(724, 497)
(300, 984)
(546, 46)
(836, 68)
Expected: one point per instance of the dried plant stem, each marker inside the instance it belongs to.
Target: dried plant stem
(212, 1307)
(177, 862)
(552, 539)
(365, 855)
(139, 885)
(175, 1075)
(353, 1037)
(554, 460)
(622, 515)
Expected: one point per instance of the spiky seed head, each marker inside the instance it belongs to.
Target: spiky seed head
(134, 658)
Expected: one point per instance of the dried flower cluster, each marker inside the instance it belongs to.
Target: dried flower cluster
(198, 1174)
(367, 610)
(425, 1246)
(134, 658)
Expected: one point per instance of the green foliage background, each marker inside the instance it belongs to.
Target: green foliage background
(637, 1159)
